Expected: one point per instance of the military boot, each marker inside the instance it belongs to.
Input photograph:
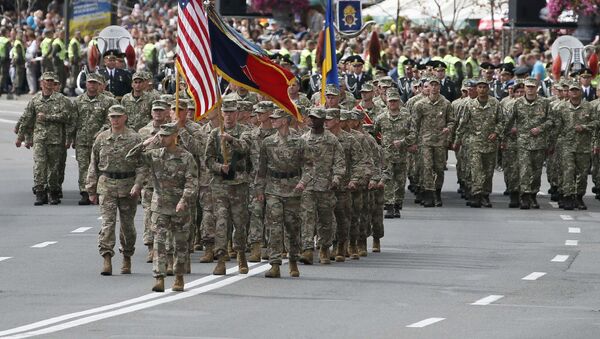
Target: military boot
(274, 272)
(242, 263)
(514, 200)
(418, 196)
(170, 261)
(264, 254)
(178, 284)
(438, 198)
(85, 199)
(209, 254)
(324, 256)
(332, 252)
(525, 202)
(41, 198)
(126, 268)
(397, 208)
(475, 201)
(159, 285)
(353, 251)
(150, 255)
(107, 267)
(580, 204)
(389, 211)
(339, 252)
(294, 271)
(307, 257)
(197, 247)
(533, 200)
(568, 203)
(555, 196)
(362, 248)
(428, 199)
(220, 268)
(188, 264)
(255, 253)
(232, 253)
(226, 257)
(54, 199)
(485, 201)
(376, 245)
(561, 200)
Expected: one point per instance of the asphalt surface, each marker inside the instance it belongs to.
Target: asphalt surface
(450, 272)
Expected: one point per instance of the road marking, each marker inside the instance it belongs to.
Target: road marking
(44, 244)
(574, 230)
(99, 218)
(566, 217)
(426, 322)
(560, 258)
(488, 300)
(571, 242)
(553, 204)
(80, 229)
(534, 276)
(4, 258)
(6, 121)
(120, 305)
(168, 297)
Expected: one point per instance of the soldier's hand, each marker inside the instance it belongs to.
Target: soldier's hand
(397, 143)
(550, 151)
(579, 128)
(412, 149)
(41, 116)
(225, 168)
(150, 140)
(94, 199)
(503, 147)
(300, 187)
(535, 131)
(226, 137)
(596, 150)
(18, 142)
(492, 137)
(260, 197)
(28, 145)
(135, 192)
(513, 131)
(372, 185)
(456, 147)
(352, 185)
(381, 185)
(446, 130)
(335, 183)
(181, 206)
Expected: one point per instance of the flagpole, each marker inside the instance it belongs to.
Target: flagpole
(224, 150)
(176, 91)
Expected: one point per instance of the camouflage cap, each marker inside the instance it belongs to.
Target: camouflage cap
(229, 105)
(245, 106)
(574, 85)
(138, 75)
(95, 77)
(168, 129)
(386, 81)
(358, 115)
(332, 90)
(563, 84)
(531, 82)
(367, 88)
(480, 81)
(159, 104)
(392, 94)
(332, 113)
(49, 76)
(116, 110)
(279, 113)
(182, 104)
(433, 79)
(346, 115)
(167, 97)
(264, 107)
(317, 112)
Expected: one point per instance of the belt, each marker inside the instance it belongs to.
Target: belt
(119, 175)
(284, 175)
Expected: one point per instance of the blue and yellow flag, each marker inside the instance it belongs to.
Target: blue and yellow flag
(329, 68)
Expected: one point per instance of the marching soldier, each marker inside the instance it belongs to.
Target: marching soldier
(138, 103)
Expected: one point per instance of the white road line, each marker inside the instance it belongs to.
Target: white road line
(488, 300)
(554, 204)
(6, 121)
(571, 242)
(534, 276)
(574, 230)
(122, 304)
(159, 301)
(566, 217)
(80, 229)
(4, 258)
(99, 218)
(44, 244)
(426, 322)
(560, 258)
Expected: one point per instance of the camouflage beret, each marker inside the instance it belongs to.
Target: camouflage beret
(116, 110)
(245, 105)
(392, 94)
(168, 129)
(332, 90)
(332, 113)
(317, 112)
(264, 107)
(229, 105)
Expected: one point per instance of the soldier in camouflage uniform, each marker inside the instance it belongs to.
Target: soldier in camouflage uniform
(138, 103)
(366, 103)
(326, 161)
(531, 117)
(239, 93)
(394, 126)
(245, 111)
(480, 125)
(384, 83)
(116, 183)
(175, 180)
(281, 169)
(458, 106)
(510, 165)
(227, 159)
(90, 117)
(414, 168)
(44, 119)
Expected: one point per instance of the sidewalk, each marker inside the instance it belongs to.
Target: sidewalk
(23, 97)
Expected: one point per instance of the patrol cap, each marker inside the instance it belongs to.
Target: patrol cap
(346, 115)
(332, 90)
(229, 105)
(168, 129)
(531, 82)
(385, 81)
(138, 75)
(167, 97)
(279, 113)
(245, 105)
(564, 84)
(575, 85)
(433, 79)
(116, 110)
(95, 77)
(182, 104)
(392, 94)
(519, 83)
(358, 115)
(317, 112)
(332, 113)
(366, 87)
(263, 107)
(49, 76)
(480, 81)
(159, 104)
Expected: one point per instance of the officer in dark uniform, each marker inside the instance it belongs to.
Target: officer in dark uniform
(488, 71)
(405, 83)
(585, 78)
(500, 86)
(356, 78)
(447, 87)
(118, 81)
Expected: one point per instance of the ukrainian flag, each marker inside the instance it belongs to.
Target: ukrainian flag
(329, 69)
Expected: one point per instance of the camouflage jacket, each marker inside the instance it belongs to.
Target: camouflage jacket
(254, 138)
(353, 159)
(237, 151)
(377, 157)
(326, 158)
(507, 137)
(373, 112)
(146, 132)
(394, 128)
(527, 115)
(367, 158)
(91, 115)
(52, 129)
(429, 119)
(566, 117)
(139, 111)
(478, 122)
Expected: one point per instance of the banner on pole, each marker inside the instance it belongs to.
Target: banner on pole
(349, 15)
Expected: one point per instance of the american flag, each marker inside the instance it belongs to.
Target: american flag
(194, 57)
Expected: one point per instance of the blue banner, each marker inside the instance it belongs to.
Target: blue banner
(88, 16)
(349, 15)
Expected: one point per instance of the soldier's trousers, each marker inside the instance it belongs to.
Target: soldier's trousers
(552, 169)
(356, 227)
(510, 167)
(395, 174)
(109, 206)
(208, 225)
(596, 169)
(178, 227)
(575, 168)
(283, 217)
(193, 209)
(482, 167)
(46, 166)
(432, 172)
(531, 163)
(317, 217)
(19, 85)
(343, 212)
(83, 155)
(230, 205)
(256, 231)
(376, 207)
(148, 235)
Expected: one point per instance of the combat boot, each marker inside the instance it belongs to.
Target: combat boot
(226, 257)
(126, 268)
(242, 263)
(485, 201)
(150, 255)
(307, 257)
(170, 260)
(41, 198)
(209, 254)
(274, 272)
(333, 252)
(264, 254)
(294, 271)
(353, 251)
(178, 284)
(339, 252)
(475, 201)
(568, 203)
(188, 264)
(428, 199)
(438, 198)
(85, 199)
(376, 245)
(525, 202)
(514, 200)
(533, 200)
(397, 208)
(389, 211)
(580, 204)
(232, 253)
(220, 268)
(418, 196)
(254, 252)
(107, 267)
(159, 285)
(54, 199)
(324, 256)
(561, 200)
(197, 247)
(362, 247)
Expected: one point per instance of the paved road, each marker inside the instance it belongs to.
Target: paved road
(450, 272)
